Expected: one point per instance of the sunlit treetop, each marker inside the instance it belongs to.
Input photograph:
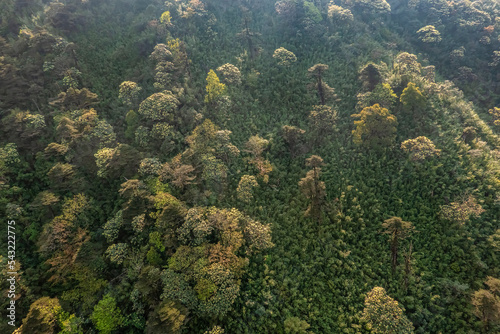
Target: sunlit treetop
(420, 148)
(215, 88)
(384, 315)
(230, 74)
(166, 18)
(429, 34)
(339, 14)
(129, 92)
(371, 6)
(161, 53)
(407, 64)
(376, 127)
(284, 57)
(159, 106)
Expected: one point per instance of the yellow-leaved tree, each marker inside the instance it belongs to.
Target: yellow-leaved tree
(215, 88)
(376, 127)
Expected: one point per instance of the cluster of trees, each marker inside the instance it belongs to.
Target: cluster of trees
(188, 166)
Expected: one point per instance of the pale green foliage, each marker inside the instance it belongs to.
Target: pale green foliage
(256, 145)
(258, 235)
(72, 207)
(382, 95)
(420, 148)
(159, 107)
(294, 325)
(215, 330)
(215, 88)
(412, 98)
(117, 252)
(429, 34)
(338, 14)
(9, 154)
(231, 226)
(230, 74)
(384, 315)
(210, 147)
(312, 14)
(245, 188)
(13, 210)
(284, 57)
(44, 198)
(107, 316)
(62, 176)
(376, 127)
(129, 92)
(429, 73)
(9, 157)
(196, 227)
(103, 157)
(162, 131)
(112, 227)
(224, 291)
(457, 54)
(150, 167)
(495, 112)
(70, 324)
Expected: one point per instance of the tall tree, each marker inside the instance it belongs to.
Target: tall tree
(413, 100)
(370, 76)
(487, 304)
(313, 188)
(324, 91)
(398, 230)
(322, 120)
(293, 137)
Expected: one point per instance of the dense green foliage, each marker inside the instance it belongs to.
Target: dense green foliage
(217, 166)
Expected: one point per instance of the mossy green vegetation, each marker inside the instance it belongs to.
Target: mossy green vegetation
(216, 166)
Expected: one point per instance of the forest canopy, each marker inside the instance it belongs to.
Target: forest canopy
(264, 166)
